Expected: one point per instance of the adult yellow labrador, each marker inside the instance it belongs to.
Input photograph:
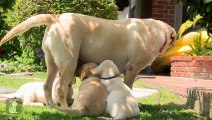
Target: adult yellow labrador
(131, 43)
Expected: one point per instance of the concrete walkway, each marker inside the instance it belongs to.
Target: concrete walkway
(137, 92)
(143, 92)
(178, 85)
(5, 90)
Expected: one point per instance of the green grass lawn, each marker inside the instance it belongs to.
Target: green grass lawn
(171, 106)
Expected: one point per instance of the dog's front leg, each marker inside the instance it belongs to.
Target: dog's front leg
(66, 79)
(130, 75)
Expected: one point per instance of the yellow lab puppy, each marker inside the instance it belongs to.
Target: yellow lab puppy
(121, 104)
(32, 93)
(92, 95)
(131, 43)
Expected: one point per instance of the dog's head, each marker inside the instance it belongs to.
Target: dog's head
(85, 71)
(106, 69)
(170, 37)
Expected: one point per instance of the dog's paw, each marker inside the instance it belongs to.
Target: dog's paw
(49, 105)
(70, 102)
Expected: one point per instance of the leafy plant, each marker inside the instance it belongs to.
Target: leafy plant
(199, 49)
(202, 8)
(188, 24)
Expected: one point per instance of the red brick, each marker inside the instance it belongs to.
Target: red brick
(186, 58)
(209, 64)
(158, 15)
(158, 6)
(163, 2)
(171, 11)
(175, 69)
(172, 68)
(197, 58)
(154, 2)
(194, 69)
(171, 20)
(170, 7)
(207, 69)
(179, 58)
(182, 74)
(172, 74)
(198, 64)
(169, 15)
(171, 23)
(206, 58)
(187, 69)
(162, 11)
(154, 10)
(189, 58)
(164, 20)
(180, 64)
(189, 74)
(174, 58)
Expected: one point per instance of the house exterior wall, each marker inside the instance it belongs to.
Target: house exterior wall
(164, 10)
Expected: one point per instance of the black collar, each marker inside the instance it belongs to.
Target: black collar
(108, 78)
(164, 44)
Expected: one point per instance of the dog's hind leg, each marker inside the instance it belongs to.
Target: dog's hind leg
(51, 74)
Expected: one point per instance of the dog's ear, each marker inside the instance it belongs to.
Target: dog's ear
(173, 36)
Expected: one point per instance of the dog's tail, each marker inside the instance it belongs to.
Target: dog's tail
(37, 20)
(76, 111)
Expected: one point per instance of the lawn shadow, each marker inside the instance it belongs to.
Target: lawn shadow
(170, 111)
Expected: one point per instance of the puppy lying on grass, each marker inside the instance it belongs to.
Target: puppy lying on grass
(92, 95)
(121, 104)
(32, 93)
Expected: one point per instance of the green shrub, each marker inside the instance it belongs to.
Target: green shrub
(29, 51)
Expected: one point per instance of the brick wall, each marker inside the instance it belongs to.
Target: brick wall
(199, 67)
(163, 10)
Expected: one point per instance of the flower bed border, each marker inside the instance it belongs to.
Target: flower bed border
(198, 67)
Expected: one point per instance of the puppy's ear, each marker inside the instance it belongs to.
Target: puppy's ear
(82, 75)
(96, 71)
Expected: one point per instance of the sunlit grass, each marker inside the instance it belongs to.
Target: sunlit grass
(161, 106)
